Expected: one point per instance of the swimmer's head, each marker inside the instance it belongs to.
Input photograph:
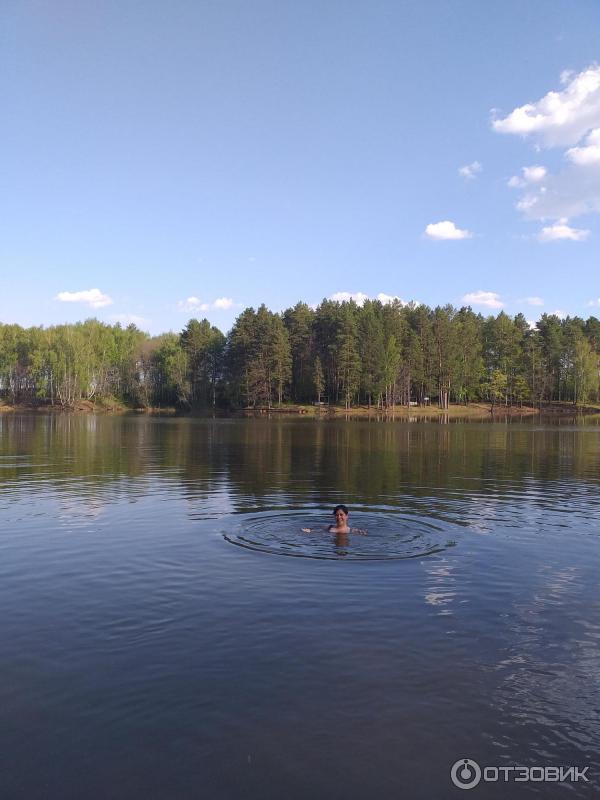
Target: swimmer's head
(341, 514)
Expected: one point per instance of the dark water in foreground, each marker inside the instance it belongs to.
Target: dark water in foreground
(157, 641)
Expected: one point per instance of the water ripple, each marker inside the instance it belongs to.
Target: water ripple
(376, 535)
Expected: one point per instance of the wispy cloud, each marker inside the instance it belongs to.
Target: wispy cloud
(481, 298)
(569, 118)
(589, 152)
(532, 301)
(570, 193)
(94, 298)
(446, 230)
(194, 304)
(562, 231)
(529, 175)
(130, 319)
(470, 171)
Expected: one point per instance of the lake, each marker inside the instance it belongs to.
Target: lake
(168, 630)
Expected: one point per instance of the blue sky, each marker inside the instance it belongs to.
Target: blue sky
(195, 158)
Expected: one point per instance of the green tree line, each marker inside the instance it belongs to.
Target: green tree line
(341, 353)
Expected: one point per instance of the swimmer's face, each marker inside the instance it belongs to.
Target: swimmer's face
(341, 518)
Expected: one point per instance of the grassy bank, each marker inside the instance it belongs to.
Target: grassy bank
(455, 411)
(473, 410)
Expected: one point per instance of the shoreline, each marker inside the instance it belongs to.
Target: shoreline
(455, 411)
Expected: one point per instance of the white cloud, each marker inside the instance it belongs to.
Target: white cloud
(446, 230)
(559, 118)
(594, 302)
(386, 299)
(130, 319)
(533, 301)
(534, 174)
(345, 297)
(568, 118)
(561, 230)
(530, 175)
(193, 304)
(360, 298)
(589, 153)
(223, 303)
(558, 313)
(566, 75)
(94, 298)
(469, 171)
(570, 193)
(481, 298)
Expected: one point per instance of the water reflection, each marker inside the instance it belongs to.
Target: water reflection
(259, 461)
(342, 541)
(550, 675)
(441, 588)
(465, 623)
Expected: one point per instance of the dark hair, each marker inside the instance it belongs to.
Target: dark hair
(341, 508)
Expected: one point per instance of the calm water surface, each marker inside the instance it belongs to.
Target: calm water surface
(168, 630)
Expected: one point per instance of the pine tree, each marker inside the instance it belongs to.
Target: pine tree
(348, 359)
(318, 379)
(299, 322)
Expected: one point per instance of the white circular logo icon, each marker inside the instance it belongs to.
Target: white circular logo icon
(465, 773)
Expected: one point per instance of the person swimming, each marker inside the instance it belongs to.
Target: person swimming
(341, 514)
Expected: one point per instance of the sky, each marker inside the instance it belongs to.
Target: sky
(162, 161)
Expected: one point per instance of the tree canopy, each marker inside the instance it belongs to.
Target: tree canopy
(341, 353)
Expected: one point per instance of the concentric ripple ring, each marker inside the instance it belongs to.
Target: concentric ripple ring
(376, 535)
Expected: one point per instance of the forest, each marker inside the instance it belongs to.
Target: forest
(340, 353)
